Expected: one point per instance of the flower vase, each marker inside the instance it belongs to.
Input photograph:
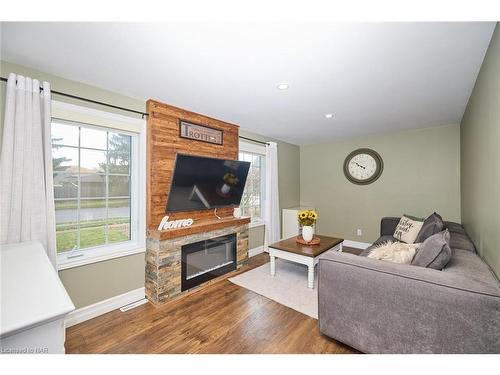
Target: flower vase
(307, 233)
(225, 189)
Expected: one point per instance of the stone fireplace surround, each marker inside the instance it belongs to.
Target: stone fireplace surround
(163, 260)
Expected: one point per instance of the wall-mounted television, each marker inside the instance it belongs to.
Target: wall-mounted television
(200, 183)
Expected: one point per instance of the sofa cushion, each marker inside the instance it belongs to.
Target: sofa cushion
(408, 228)
(454, 227)
(460, 241)
(458, 237)
(470, 266)
(432, 225)
(388, 225)
(434, 252)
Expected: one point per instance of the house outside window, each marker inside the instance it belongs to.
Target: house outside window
(98, 186)
(252, 202)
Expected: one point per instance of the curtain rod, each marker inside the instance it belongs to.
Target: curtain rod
(3, 79)
(254, 140)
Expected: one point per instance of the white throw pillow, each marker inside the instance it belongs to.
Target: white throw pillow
(397, 252)
(408, 229)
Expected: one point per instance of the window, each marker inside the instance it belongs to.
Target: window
(252, 201)
(96, 191)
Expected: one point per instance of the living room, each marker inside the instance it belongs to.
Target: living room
(251, 188)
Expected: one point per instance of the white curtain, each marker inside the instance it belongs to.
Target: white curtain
(271, 202)
(26, 186)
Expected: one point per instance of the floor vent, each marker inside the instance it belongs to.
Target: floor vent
(132, 305)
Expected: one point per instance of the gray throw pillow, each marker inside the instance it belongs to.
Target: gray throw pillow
(432, 225)
(434, 252)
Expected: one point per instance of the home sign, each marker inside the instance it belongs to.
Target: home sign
(181, 223)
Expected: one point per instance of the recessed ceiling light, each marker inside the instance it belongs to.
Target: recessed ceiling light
(283, 86)
(329, 115)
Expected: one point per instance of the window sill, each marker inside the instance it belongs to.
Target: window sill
(99, 254)
(256, 223)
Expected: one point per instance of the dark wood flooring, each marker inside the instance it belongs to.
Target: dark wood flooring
(219, 318)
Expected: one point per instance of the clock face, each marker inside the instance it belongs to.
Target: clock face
(363, 166)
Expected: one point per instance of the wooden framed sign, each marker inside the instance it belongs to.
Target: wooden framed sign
(200, 133)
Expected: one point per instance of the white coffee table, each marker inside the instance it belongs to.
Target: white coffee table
(308, 255)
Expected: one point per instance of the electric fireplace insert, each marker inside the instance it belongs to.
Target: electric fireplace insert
(205, 260)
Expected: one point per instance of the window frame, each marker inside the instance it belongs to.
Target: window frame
(255, 148)
(93, 118)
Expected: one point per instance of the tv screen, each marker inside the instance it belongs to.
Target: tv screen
(205, 183)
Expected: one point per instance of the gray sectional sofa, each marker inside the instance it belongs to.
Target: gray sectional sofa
(382, 307)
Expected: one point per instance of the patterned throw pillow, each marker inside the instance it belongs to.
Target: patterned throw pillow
(408, 228)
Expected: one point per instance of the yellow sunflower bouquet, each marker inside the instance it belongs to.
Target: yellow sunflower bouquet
(307, 218)
(231, 179)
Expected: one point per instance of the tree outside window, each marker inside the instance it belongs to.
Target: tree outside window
(253, 195)
(91, 186)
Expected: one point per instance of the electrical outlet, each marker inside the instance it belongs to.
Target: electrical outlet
(359, 232)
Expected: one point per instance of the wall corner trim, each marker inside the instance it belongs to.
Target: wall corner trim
(102, 307)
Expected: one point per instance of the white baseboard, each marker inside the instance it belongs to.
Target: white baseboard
(103, 307)
(356, 244)
(255, 251)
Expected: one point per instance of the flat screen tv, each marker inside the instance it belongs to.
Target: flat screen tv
(200, 183)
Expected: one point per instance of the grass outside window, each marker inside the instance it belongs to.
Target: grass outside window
(92, 185)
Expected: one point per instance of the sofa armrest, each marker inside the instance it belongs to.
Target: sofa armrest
(382, 307)
(388, 225)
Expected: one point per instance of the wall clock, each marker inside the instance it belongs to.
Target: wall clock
(363, 166)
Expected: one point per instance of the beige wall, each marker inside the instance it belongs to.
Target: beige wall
(93, 283)
(421, 175)
(256, 237)
(288, 179)
(480, 150)
(99, 281)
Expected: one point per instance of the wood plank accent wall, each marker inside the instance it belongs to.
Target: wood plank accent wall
(164, 143)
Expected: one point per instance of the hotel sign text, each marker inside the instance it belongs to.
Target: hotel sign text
(200, 133)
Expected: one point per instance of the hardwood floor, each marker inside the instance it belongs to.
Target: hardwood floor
(220, 318)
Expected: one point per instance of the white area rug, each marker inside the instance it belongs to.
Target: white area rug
(288, 286)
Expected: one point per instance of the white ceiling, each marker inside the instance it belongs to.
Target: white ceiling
(374, 77)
